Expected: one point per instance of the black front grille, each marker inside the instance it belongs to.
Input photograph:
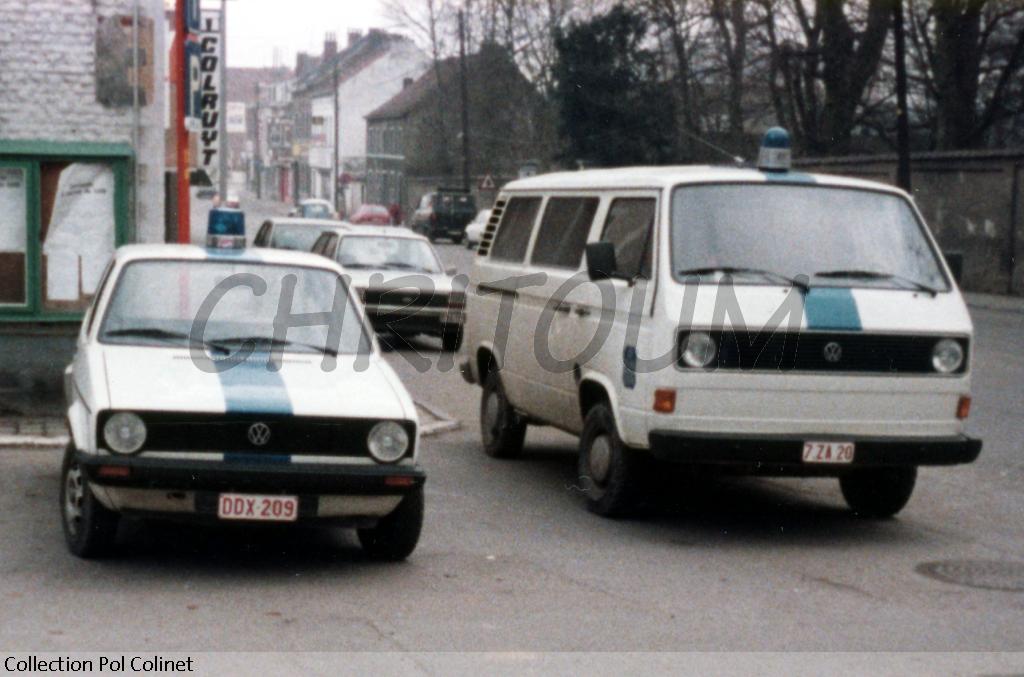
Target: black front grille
(289, 435)
(811, 351)
(407, 298)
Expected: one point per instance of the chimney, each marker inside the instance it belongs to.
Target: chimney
(406, 82)
(302, 63)
(353, 37)
(330, 45)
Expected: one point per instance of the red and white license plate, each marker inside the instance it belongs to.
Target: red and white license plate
(260, 508)
(828, 452)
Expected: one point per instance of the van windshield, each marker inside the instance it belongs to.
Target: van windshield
(835, 236)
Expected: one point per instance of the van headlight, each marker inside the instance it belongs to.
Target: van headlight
(947, 356)
(387, 441)
(698, 349)
(124, 433)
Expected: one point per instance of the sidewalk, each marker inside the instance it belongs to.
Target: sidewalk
(1008, 304)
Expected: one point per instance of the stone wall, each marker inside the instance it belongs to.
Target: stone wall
(971, 201)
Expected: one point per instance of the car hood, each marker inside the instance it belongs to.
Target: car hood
(163, 379)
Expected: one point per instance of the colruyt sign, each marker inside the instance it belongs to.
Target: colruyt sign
(211, 66)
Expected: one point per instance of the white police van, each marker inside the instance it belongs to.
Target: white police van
(752, 320)
(235, 385)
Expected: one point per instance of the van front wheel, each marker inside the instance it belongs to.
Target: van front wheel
(501, 428)
(609, 471)
(878, 492)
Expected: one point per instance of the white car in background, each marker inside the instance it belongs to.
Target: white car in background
(314, 208)
(175, 410)
(475, 229)
(400, 279)
(290, 232)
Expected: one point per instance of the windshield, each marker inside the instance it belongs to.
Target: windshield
(299, 238)
(855, 237)
(315, 211)
(388, 253)
(156, 302)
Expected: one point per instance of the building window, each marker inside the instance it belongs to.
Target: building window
(13, 235)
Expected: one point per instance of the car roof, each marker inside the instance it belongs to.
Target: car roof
(315, 201)
(298, 221)
(137, 252)
(666, 177)
(378, 231)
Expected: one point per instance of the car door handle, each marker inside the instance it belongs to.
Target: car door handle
(562, 308)
(582, 312)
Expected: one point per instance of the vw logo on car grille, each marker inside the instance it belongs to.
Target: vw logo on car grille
(833, 352)
(259, 433)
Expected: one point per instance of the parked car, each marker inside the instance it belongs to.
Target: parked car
(400, 279)
(171, 421)
(233, 201)
(687, 318)
(291, 233)
(475, 229)
(444, 214)
(371, 215)
(314, 208)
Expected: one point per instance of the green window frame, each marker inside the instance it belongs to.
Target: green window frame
(30, 155)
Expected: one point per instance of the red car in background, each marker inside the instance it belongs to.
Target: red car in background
(371, 215)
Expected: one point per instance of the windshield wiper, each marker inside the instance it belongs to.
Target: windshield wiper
(857, 274)
(147, 332)
(736, 270)
(220, 342)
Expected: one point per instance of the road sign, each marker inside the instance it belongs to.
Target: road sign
(193, 86)
(487, 183)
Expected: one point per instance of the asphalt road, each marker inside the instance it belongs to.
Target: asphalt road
(511, 561)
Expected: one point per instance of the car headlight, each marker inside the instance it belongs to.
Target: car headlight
(698, 349)
(387, 441)
(124, 432)
(947, 356)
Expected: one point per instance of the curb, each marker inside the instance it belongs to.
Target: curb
(39, 441)
(1005, 304)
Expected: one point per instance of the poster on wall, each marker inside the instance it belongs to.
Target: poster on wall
(236, 117)
(80, 239)
(211, 64)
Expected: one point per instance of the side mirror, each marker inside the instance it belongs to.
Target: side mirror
(451, 270)
(600, 260)
(955, 261)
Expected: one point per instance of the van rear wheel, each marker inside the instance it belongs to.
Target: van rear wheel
(878, 492)
(501, 428)
(609, 471)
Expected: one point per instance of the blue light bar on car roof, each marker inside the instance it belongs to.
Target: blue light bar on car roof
(775, 154)
(225, 229)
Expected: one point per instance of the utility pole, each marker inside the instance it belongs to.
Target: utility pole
(223, 126)
(335, 132)
(902, 118)
(465, 102)
(258, 162)
(181, 133)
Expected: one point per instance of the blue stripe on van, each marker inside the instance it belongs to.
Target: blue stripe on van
(831, 308)
(251, 388)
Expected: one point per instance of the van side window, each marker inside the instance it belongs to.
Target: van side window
(628, 227)
(515, 229)
(261, 237)
(563, 231)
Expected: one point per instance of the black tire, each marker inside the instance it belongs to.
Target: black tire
(396, 534)
(612, 480)
(451, 339)
(89, 527)
(501, 428)
(878, 492)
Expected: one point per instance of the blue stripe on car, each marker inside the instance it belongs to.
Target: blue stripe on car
(831, 308)
(251, 388)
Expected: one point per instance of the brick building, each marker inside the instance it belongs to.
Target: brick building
(81, 163)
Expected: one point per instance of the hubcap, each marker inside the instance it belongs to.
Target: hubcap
(600, 459)
(74, 495)
(492, 416)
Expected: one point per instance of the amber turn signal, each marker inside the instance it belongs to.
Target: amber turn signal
(963, 407)
(665, 400)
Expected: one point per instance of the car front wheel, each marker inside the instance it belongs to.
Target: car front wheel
(396, 535)
(878, 492)
(89, 527)
(609, 471)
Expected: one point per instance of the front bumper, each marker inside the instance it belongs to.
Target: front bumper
(783, 453)
(283, 478)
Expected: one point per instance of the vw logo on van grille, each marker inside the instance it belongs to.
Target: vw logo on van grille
(833, 352)
(259, 433)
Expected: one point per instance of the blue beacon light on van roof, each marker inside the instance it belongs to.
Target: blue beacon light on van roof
(775, 154)
(225, 229)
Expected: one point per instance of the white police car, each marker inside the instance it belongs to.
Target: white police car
(184, 401)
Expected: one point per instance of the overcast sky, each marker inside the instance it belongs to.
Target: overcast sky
(256, 27)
